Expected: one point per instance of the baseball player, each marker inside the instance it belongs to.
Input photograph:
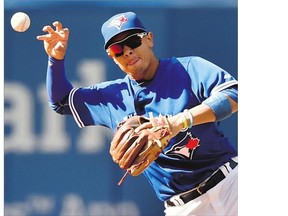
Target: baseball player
(196, 174)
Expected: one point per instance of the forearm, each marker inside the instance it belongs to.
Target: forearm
(58, 87)
(204, 114)
(197, 115)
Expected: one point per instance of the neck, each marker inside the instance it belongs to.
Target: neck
(152, 69)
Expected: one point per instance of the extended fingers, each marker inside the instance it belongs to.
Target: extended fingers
(46, 36)
(58, 25)
(64, 33)
(143, 126)
(49, 31)
(60, 29)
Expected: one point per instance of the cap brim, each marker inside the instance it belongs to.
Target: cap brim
(109, 42)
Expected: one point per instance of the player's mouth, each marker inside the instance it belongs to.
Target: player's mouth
(133, 61)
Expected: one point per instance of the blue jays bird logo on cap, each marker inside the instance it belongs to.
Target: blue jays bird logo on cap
(118, 22)
(122, 22)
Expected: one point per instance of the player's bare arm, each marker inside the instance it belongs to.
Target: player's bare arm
(55, 41)
(201, 114)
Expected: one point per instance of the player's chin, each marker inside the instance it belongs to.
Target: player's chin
(137, 75)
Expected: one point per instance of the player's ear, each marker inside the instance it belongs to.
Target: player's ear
(149, 39)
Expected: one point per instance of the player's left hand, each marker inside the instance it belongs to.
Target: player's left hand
(55, 41)
(136, 144)
(175, 123)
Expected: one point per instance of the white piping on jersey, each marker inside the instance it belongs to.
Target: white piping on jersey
(73, 109)
(224, 86)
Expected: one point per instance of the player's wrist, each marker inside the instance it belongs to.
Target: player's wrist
(187, 120)
(55, 60)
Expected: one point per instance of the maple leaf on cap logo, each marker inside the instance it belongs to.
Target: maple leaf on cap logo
(118, 21)
(193, 143)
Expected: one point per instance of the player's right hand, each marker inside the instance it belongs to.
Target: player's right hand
(55, 41)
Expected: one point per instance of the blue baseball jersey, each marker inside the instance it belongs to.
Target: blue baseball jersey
(180, 83)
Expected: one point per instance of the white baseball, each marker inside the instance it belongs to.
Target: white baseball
(20, 22)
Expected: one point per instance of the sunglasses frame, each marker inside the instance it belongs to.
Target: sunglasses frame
(141, 35)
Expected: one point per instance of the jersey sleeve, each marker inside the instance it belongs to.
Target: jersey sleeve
(208, 78)
(101, 104)
(86, 105)
(58, 86)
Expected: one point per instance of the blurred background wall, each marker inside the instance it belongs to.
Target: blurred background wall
(51, 167)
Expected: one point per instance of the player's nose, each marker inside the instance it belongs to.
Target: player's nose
(127, 50)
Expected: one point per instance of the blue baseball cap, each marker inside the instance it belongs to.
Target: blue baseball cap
(120, 23)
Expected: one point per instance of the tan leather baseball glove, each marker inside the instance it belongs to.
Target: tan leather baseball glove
(138, 141)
